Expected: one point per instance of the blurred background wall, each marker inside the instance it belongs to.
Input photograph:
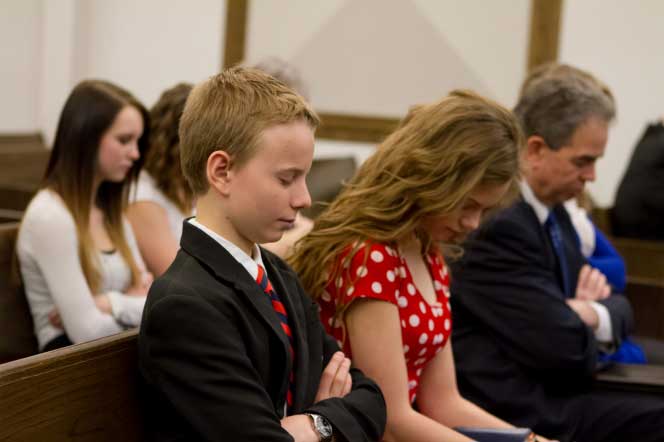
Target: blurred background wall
(362, 57)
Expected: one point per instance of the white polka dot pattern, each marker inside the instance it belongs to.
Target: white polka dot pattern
(383, 275)
(376, 256)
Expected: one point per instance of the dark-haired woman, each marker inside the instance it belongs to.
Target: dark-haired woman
(83, 275)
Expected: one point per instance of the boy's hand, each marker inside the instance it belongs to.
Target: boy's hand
(299, 426)
(335, 380)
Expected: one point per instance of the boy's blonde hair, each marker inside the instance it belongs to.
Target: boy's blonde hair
(228, 112)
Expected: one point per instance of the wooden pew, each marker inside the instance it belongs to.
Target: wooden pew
(647, 299)
(14, 197)
(17, 338)
(634, 378)
(83, 393)
(644, 259)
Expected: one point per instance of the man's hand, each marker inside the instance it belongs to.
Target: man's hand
(587, 314)
(335, 380)
(592, 285)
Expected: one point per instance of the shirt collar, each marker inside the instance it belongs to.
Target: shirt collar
(541, 210)
(250, 263)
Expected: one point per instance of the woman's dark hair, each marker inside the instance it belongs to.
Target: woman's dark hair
(88, 113)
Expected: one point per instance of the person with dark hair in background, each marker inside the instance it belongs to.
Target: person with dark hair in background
(638, 211)
(84, 277)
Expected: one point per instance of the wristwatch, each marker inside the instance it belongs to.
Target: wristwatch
(321, 426)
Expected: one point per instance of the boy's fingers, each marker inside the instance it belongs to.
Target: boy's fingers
(339, 383)
(328, 375)
(349, 385)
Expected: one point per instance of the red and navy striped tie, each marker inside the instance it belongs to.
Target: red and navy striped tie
(279, 309)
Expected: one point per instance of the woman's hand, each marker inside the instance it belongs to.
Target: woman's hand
(55, 319)
(103, 303)
(143, 287)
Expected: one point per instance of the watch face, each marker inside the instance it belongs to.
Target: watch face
(322, 426)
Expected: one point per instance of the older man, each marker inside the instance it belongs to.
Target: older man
(530, 315)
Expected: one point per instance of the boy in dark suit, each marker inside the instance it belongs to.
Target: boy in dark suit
(230, 347)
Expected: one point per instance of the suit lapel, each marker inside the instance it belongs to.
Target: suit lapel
(218, 261)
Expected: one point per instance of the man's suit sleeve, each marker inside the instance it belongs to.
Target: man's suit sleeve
(504, 282)
(361, 414)
(197, 359)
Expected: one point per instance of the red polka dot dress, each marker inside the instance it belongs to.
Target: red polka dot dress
(425, 328)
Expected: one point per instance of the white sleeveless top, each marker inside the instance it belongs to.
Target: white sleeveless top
(146, 190)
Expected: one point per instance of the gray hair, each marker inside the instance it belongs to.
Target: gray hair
(284, 72)
(556, 99)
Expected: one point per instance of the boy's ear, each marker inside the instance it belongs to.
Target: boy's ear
(218, 171)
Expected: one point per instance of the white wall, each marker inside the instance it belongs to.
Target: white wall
(621, 43)
(145, 46)
(20, 27)
(379, 57)
(148, 45)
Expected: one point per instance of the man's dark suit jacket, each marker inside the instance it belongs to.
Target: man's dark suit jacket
(520, 351)
(214, 360)
(638, 211)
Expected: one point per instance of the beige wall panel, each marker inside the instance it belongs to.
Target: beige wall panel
(621, 42)
(376, 57)
(20, 31)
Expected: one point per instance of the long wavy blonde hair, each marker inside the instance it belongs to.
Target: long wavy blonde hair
(439, 153)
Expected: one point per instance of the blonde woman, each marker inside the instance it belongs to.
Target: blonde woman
(83, 275)
(374, 258)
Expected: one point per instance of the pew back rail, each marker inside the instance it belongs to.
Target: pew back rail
(86, 392)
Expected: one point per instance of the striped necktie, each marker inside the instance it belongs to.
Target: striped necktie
(279, 309)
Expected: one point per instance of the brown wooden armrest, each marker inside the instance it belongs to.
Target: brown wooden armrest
(629, 377)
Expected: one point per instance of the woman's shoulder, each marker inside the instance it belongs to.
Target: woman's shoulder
(46, 207)
(376, 252)
(46, 217)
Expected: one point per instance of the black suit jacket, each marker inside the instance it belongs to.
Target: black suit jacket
(638, 211)
(215, 361)
(520, 351)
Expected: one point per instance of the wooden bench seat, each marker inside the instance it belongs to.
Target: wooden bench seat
(629, 377)
(17, 338)
(85, 392)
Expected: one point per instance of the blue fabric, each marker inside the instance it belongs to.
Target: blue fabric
(607, 260)
(628, 353)
(556, 236)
